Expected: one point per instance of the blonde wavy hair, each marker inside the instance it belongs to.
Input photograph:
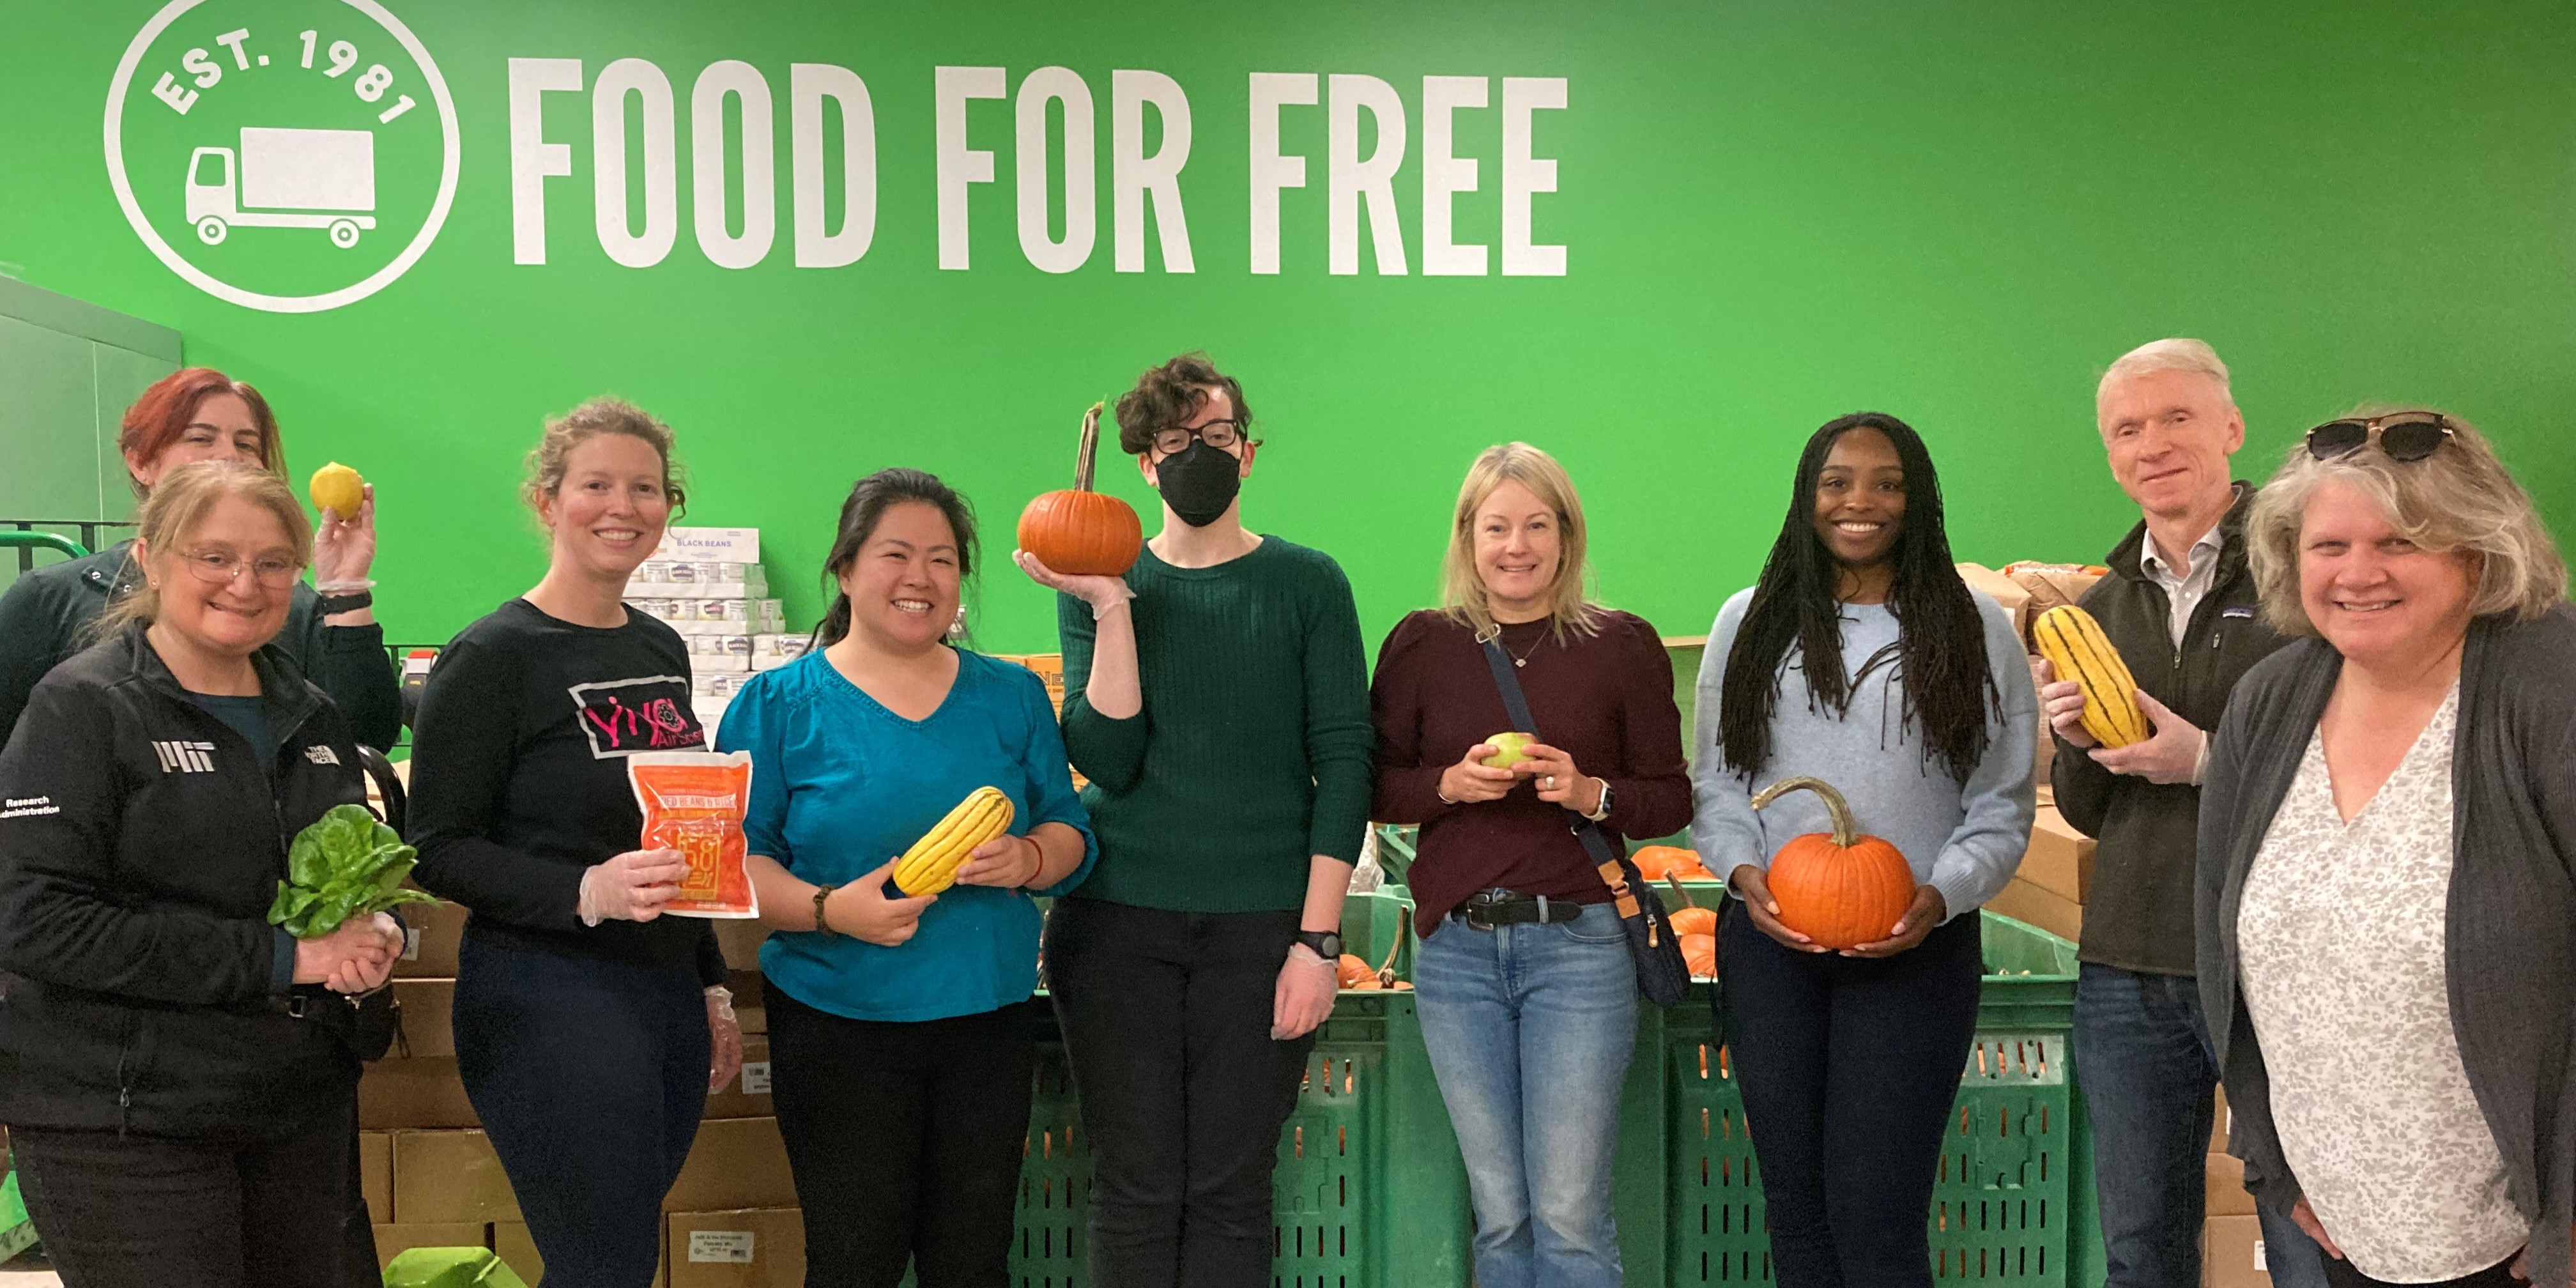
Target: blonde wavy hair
(1462, 591)
(182, 500)
(2460, 498)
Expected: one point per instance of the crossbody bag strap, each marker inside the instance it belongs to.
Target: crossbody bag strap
(1606, 860)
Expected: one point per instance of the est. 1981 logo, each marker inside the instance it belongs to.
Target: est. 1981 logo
(287, 155)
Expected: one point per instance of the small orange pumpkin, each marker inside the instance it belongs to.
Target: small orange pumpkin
(1655, 862)
(1689, 918)
(1840, 890)
(1357, 973)
(1083, 533)
(1699, 952)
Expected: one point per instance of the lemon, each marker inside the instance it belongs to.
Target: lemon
(337, 487)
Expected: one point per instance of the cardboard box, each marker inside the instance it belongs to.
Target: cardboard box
(717, 545)
(428, 1018)
(450, 1176)
(423, 1092)
(740, 939)
(737, 1163)
(747, 1096)
(762, 1248)
(2005, 591)
(394, 1239)
(750, 999)
(2226, 1187)
(2232, 1253)
(2060, 859)
(2046, 909)
(376, 1175)
(431, 934)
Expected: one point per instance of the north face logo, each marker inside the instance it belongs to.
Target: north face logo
(185, 757)
(321, 755)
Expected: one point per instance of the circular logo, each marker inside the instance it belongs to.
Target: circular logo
(286, 155)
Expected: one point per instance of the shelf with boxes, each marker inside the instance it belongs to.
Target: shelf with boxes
(709, 585)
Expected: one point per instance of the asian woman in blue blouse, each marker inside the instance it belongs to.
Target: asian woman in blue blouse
(899, 1028)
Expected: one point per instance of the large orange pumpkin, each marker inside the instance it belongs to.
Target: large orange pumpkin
(1689, 918)
(1699, 952)
(1840, 890)
(1655, 862)
(1083, 533)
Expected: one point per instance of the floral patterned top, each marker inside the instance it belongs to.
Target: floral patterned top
(2344, 939)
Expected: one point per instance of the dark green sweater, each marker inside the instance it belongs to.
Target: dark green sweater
(1252, 752)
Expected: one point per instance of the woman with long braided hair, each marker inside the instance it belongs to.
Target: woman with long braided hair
(1860, 658)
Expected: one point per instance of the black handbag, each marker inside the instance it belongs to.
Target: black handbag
(1662, 977)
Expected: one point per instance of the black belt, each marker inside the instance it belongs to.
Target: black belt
(1487, 909)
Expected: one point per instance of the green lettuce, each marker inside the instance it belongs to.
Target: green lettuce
(345, 865)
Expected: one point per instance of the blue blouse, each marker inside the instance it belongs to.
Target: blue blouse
(840, 784)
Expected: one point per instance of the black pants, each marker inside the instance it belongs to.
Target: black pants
(148, 1212)
(590, 1076)
(905, 1139)
(1849, 1067)
(1166, 1021)
(2340, 1274)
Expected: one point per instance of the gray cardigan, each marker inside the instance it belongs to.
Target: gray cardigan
(2512, 917)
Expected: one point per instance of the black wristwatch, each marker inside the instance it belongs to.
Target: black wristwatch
(1326, 943)
(327, 605)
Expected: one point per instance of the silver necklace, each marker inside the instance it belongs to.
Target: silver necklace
(1518, 659)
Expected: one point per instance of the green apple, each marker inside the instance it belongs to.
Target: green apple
(1507, 749)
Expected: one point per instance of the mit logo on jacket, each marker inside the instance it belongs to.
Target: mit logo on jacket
(185, 757)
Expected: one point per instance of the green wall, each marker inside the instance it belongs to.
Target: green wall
(1774, 212)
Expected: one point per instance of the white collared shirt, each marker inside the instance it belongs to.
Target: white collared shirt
(2183, 593)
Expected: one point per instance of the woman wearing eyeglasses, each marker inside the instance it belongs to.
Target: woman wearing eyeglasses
(201, 414)
(2387, 864)
(179, 1077)
(1217, 698)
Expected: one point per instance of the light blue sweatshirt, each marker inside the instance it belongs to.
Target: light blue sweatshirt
(1963, 840)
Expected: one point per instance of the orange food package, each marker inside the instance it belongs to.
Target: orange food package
(693, 802)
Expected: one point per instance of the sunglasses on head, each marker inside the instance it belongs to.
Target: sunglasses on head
(2403, 436)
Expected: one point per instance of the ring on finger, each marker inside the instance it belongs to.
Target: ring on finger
(1548, 781)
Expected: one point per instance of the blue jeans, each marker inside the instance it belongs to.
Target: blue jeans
(1530, 1028)
(2143, 1059)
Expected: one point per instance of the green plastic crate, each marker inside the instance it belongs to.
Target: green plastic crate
(1369, 1189)
(1690, 1198)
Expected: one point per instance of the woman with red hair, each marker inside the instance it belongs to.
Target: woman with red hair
(201, 414)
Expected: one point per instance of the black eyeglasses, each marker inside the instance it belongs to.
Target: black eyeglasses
(1222, 435)
(2403, 436)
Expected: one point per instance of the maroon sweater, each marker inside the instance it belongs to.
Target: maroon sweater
(1605, 699)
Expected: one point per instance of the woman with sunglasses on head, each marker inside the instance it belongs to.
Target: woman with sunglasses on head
(1528, 994)
(2388, 864)
(589, 1027)
(200, 414)
(1217, 698)
(180, 1077)
(1861, 659)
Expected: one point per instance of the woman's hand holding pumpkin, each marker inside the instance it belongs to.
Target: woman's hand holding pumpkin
(1928, 910)
(861, 910)
(1754, 889)
(1471, 781)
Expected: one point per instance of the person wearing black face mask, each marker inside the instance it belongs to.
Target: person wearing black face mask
(1190, 971)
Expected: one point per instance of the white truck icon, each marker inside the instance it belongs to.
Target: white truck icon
(287, 179)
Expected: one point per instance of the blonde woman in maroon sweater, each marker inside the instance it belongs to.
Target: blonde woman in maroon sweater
(1528, 997)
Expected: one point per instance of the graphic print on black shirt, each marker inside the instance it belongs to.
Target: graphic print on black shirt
(648, 713)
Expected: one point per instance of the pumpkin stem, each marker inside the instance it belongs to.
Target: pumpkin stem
(1386, 969)
(1846, 832)
(1085, 455)
(1676, 883)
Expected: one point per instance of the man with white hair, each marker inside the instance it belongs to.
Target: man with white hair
(2180, 607)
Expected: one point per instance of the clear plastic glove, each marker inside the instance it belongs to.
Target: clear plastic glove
(2063, 702)
(345, 548)
(1303, 998)
(724, 1039)
(356, 958)
(631, 887)
(2174, 754)
(1102, 593)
